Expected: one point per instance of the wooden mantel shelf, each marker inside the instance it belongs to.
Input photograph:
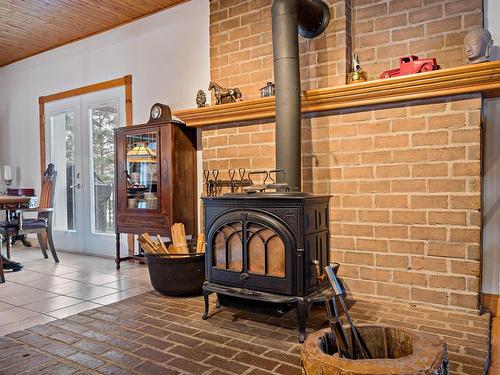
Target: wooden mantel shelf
(482, 78)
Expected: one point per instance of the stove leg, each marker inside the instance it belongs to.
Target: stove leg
(205, 297)
(302, 310)
(217, 303)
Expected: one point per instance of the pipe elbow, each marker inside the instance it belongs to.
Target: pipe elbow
(313, 16)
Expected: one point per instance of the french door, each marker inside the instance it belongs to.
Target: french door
(80, 143)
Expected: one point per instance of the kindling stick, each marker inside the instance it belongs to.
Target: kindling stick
(199, 242)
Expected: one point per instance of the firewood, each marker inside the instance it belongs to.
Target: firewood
(199, 243)
(162, 246)
(147, 244)
(178, 235)
(178, 249)
(148, 239)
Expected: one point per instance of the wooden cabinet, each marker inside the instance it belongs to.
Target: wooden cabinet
(155, 179)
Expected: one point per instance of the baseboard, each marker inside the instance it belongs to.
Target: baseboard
(492, 303)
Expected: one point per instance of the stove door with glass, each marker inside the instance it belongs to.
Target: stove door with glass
(251, 250)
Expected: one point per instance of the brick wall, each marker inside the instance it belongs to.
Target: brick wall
(405, 179)
(406, 199)
(385, 30)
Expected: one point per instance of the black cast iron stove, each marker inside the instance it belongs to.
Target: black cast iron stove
(266, 252)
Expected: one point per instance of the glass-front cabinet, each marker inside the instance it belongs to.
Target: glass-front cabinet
(155, 178)
(142, 170)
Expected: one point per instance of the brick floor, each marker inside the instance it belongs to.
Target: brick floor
(152, 334)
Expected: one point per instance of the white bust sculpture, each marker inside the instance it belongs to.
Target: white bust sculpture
(478, 45)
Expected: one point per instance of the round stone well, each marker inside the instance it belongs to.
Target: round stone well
(395, 351)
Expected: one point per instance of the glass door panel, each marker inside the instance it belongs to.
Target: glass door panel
(62, 126)
(142, 167)
(103, 119)
(103, 111)
(80, 143)
(63, 150)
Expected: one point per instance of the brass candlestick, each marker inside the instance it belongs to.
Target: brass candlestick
(357, 74)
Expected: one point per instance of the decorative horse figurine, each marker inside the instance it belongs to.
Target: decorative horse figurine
(221, 93)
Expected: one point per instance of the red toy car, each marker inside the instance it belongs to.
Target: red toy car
(410, 65)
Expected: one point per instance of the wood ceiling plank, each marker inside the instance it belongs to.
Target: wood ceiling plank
(31, 27)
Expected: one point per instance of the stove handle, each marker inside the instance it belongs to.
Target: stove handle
(320, 276)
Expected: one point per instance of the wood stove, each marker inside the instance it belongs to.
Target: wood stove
(265, 251)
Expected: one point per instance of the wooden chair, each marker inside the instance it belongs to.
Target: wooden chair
(42, 225)
(8, 229)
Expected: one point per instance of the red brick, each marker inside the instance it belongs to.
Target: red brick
(391, 231)
(359, 258)
(375, 274)
(444, 25)
(392, 290)
(458, 7)
(376, 216)
(392, 261)
(428, 264)
(429, 201)
(450, 218)
(391, 201)
(446, 121)
(371, 11)
(401, 186)
(427, 233)
(409, 217)
(465, 201)
(410, 278)
(403, 5)
(428, 138)
(374, 39)
(447, 282)
(406, 247)
(410, 155)
(429, 296)
(408, 33)
(396, 170)
(391, 22)
(470, 268)
(426, 14)
(430, 170)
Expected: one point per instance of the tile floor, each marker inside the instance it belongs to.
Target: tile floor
(44, 291)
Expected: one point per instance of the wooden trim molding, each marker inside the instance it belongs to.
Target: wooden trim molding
(122, 81)
(483, 78)
(492, 303)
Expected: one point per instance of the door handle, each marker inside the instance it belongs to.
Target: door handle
(75, 186)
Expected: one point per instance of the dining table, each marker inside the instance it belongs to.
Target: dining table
(9, 204)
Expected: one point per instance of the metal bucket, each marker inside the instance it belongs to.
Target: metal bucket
(177, 275)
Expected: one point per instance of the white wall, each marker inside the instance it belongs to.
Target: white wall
(167, 55)
(491, 200)
(492, 23)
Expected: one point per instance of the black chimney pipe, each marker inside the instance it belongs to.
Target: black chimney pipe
(309, 18)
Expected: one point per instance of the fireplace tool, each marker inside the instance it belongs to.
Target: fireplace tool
(213, 186)
(345, 349)
(243, 182)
